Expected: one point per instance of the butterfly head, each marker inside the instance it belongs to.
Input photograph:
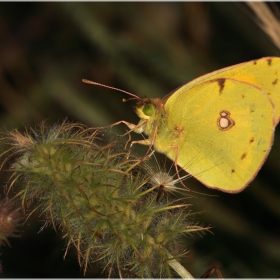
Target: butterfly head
(147, 108)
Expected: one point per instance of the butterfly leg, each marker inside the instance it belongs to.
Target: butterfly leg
(176, 165)
(133, 127)
(149, 142)
(146, 142)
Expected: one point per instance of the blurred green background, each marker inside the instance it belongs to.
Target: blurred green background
(148, 49)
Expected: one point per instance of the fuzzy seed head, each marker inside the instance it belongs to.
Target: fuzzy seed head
(99, 194)
(9, 221)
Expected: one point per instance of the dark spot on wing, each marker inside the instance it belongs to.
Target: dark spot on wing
(243, 156)
(221, 83)
(275, 82)
(252, 140)
(269, 62)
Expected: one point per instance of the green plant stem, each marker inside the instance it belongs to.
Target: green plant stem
(179, 268)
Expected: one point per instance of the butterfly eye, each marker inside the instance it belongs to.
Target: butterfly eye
(148, 109)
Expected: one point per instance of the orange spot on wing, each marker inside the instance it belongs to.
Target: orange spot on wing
(179, 130)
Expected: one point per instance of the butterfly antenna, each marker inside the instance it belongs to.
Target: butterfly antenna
(132, 98)
(101, 85)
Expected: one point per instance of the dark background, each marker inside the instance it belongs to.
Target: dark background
(148, 49)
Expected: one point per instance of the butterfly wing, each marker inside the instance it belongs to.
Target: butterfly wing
(220, 131)
(263, 73)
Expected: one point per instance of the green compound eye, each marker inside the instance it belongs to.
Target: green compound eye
(148, 109)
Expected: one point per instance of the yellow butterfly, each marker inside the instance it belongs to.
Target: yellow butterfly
(218, 127)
